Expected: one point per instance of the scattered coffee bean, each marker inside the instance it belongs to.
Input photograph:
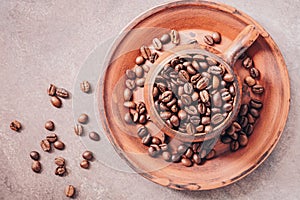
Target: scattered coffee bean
(157, 44)
(85, 164)
(60, 171)
(78, 129)
(94, 136)
(83, 118)
(175, 37)
(254, 72)
(216, 37)
(250, 81)
(243, 140)
(56, 102)
(45, 145)
(208, 40)
(34, 155)
(49, 125)
(15, 125)
(88, 155)
(60, 161)
(165, 38)
(59, 145)
(36, 166)
(258, 89)
(52, 137)
(61, 92)
(247, 63)
(85, 86)
(51, 90)
(70, 191)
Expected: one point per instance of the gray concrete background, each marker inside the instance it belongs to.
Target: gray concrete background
(48, 41)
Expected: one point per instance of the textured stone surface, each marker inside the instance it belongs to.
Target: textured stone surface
(47, 41)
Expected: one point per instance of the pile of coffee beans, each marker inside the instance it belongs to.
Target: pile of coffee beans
(194, 94)
(61, 168)
(36, 165)
(87, 156)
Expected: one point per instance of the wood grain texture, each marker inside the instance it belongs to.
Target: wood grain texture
(227, 167)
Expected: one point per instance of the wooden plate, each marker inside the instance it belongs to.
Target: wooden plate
(200, 17)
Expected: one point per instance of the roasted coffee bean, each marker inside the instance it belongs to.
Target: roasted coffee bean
(230, 131)
(175, 62)
(226, 139)
(189, 153)
(202, 83)
(166, 156)
(250, 81)
(196, 159)
(195, 96)
(36, 166)
(156, 140)
(153, 57)
(182, 115)
(237, 127)
(176, 158)
(163, 107)
(227, 107)
(128, 118)
(94, 136)
(45, 145)
(143, 119)
(192, 110)
(244, 121)
(243, 139)
(139, 71)
(34, 155)
(249, 129)
(165, 115)
(157, 44)
(130, 74)
(61, 92)
(174, 109)
(52, 137)
(205, 120)
(247, 62)
(204, 96)
(146, 68)
(70, 191)
(251, 119)
(174, 121)
(59, 145)
(217, 119)
(215, 70)
(184, 75)
(181, 149)
(87, 155)
(191, 70)
(140, 82)
(78, 129)
(201, 108)
(140, 60)
(254, 112)
(228, 78)
(153, 150)
(255, 103)
(60, 171)
(243, 110)
(188, 88)
(211, 61)
(15, 125)
(141, 107)
(186, 99)
(162, 87)
(186, 162)
(146, 140)
(203, 65)
(216, 37)
(155, 92)
(164, 147)
(195, 78)
(85, 164)
(199, 128)
(208, 40)
(211, 154)
(167, 96)
(145, 52)
(175, 38)
(60, 161)
(215, 82)
(190, 129)
(232, 90)
(258, 89)
(83, 118)
(56, 102)
(49, 125)
(199, 57)
(51, 90)
(142, 131)
(130, 84)
(254, 72)
(195, 120)
(234, 136)
(226, 96)
(217, 100)
(172, 102)
(234, 145)
(165, 38)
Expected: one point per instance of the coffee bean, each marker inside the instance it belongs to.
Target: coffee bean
(165, 115)
(182, 115)
(258, 89)
(60, 161)
(165, 38)
(146, 140)
(195, 120)
(249, 129)
(155, 92)
(201, 108)
(210, 61)
(189, 153)
(251, 119)
(234, 145)
(56, 102)
(190, 129)
(202, 83)
(61, 92)
(175, 37)
(145, 52)
(83, 118)
(247, 62)
(78, 129)
(254, 72)
(140, 82)
(49, 125)
(208, 40)
(142, 131)
(94, 136)
(141, 107)
(139, 71)
(36, 166)
(211, 154)
(192, 110)
(254, 112)
(217, 100)
(52, 137)
(176, 158)
(215, 82)
(15, 125)
(199, 128)
(154, 56)
(226, 139)
(174, 121)
(34, 155)
(130, 84)
(164, 147)
(227, 107)
(195, 96)
(45, 145)
(184, 75)
(166, 156)
(226, 96)
(139, 60)
(236, 126)
(186, 99)
(244, 121)
(174, 109)
(87, 155)
(85, 164)
(216, 37)
(70, 191)
(215, 70)
(186, 162)
(51, 90)
(59, 145)
(196, 158)
(255, 103)
(157, 44)
(250, 81)
(130, 74)
(153, 150)
(205, 120)
(234, 136)
(204, 96)
(243, 140)
(191, 70)
(143, 119)
(60, 171)
(228, 78)
(195, 78)
(167, 96)
(156, 140)
(188, 88)
(217, 119)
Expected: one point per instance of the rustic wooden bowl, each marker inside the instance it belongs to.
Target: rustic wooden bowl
(200, 17)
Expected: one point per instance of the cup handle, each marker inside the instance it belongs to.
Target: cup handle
(240, 44)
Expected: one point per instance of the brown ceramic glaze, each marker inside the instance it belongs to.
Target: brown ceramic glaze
(201, 17)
